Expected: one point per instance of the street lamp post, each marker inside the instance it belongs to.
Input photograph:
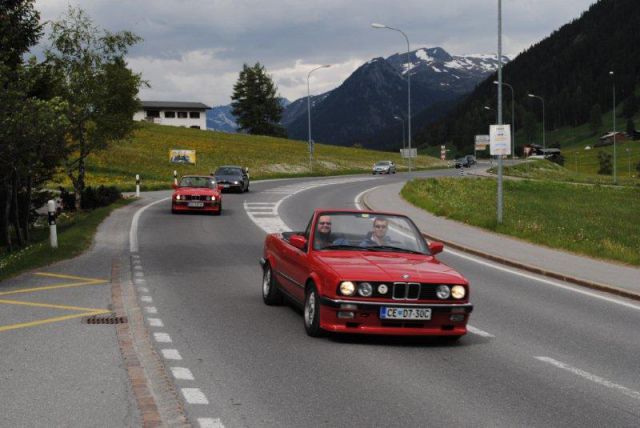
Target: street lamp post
(513, 118)
(615, 179)
(628, 150)
(309, 113)
(374, 25)
(401, 120)
(544, 143)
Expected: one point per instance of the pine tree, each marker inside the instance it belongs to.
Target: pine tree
(255, 102)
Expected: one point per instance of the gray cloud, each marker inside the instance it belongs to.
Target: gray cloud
(194, 49)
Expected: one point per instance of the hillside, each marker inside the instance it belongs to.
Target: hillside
(147, 154)
(569, 69)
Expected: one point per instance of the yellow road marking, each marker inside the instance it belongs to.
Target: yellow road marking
(50, 320)
(79, 278)
(48, 305)
(52, 287)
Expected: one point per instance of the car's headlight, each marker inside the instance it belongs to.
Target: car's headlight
(458, 292)
(178, 197)
(443, 292)
(347, 288)
(236, 182)
(213, 198)
(365, 289)
(383, 288)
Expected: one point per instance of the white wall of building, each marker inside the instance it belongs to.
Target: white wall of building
(163, 118)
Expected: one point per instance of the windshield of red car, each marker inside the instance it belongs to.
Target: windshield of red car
(204, 182)
(367, 231)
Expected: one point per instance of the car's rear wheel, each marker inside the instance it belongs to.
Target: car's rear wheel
(270, 293)
(312, 312)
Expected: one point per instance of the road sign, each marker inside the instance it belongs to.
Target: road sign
(500, 140)
(409, 153)
(481, 142)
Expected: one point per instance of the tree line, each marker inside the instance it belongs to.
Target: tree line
(57, 111)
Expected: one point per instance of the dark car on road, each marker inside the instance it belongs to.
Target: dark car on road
(231, 177)
(462, 163)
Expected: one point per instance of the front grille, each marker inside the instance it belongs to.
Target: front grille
(406, 290)
(195, 197)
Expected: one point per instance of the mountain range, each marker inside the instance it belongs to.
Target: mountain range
(362, 109)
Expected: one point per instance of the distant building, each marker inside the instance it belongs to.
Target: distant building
(173, 113)
(607, 139)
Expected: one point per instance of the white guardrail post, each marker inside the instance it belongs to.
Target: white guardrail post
(137, 185)
(53, 232)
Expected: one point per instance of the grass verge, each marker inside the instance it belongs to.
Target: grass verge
(597, 221)
(75, 235)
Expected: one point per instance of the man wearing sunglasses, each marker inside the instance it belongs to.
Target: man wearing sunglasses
(378, 236)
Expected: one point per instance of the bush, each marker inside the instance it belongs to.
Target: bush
(606, 166)
(92, 198)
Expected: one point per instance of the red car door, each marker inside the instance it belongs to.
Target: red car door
(294, 266)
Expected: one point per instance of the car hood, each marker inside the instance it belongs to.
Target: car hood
(228, 177)
(372, 266)
(195, 191)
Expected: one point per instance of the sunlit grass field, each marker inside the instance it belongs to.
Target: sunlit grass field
(147, 154)
(598, 221)
(546, 170)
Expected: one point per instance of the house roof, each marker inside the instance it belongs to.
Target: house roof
(610, 134)
(174, 104)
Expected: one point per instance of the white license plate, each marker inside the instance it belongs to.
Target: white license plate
(393, 313)
(196, 204)
(226, 186)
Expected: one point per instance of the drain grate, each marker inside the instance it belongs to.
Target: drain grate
(108, 319)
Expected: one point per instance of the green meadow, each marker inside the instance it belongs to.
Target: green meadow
(147, 153)
(593, 220)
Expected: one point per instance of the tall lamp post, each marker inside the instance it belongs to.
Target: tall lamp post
(401, 120)
(374, 25)
(544, 143)
(309, 112)
(613, 79)
(513, 118)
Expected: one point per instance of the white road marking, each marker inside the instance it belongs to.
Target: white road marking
(133, 232)
(138, 274)
(155, 322)
(140, 281)
(546, 281)
(162, 337)
(181, 373)
(151, 309)
(146, 299)
(171, 354)
(479, 332)
(591, 377)
(137, 267)
(194, 396)
(210, 423)
(143, 289)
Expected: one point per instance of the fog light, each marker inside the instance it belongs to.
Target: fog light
(348, 306)
(457, 317)
(365, 289)
(346, 315)
(458, 291)
(443, 292)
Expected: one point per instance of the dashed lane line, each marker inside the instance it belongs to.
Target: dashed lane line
(194, 396)
(181, 373)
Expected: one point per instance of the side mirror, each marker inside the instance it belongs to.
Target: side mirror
(436, 247)
(298, 241)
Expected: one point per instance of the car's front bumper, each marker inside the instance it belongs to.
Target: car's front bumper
(446, 319)
(183, 206)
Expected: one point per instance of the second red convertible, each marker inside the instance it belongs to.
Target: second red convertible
(196, 193)
(365, 272)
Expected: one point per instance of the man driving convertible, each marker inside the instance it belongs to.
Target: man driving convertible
(324, 237)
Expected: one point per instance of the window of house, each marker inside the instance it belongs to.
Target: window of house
(153, 113)
(194, 115)
(169, 114)
(182, 114)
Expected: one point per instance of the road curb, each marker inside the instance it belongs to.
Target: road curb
(538, 271)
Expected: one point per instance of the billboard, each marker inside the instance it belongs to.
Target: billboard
(500, 140)
(409, 153)
(481, 142)
(182, 156)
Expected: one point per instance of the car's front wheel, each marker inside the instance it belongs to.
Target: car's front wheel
(312, 312)
(270, 293)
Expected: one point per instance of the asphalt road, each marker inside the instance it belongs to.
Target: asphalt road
(540, 354)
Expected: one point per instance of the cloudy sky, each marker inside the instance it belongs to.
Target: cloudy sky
(193, 50)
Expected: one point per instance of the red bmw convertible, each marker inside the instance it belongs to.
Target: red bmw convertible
(196, 193)
(365, 272)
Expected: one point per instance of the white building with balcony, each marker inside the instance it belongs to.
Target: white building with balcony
(173, 113)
